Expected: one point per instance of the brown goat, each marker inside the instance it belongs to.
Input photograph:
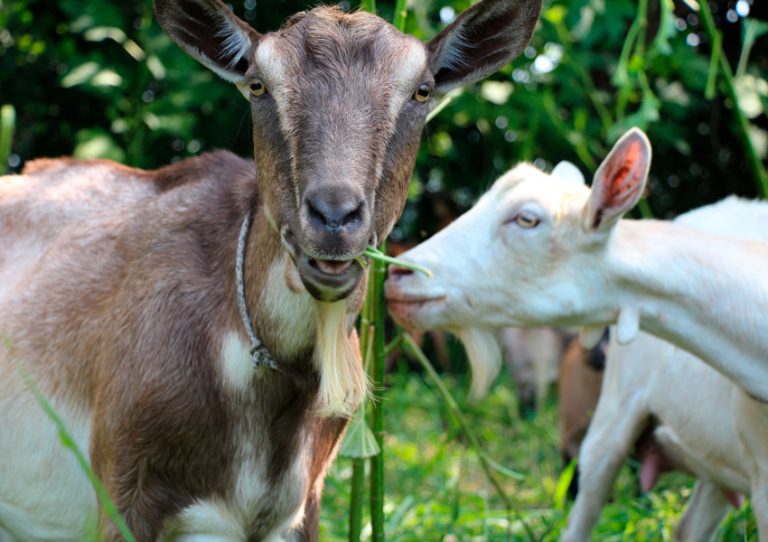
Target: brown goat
(193, 325)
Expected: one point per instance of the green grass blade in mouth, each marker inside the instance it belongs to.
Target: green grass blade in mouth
(376, 254)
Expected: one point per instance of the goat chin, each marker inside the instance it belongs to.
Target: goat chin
(343, 381)
(484, 355)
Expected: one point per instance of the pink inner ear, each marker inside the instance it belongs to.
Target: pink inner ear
(624, 176)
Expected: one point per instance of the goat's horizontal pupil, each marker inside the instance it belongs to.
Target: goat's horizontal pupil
(257, 89)
(422, 93)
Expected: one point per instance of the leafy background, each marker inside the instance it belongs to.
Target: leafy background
(96, 78)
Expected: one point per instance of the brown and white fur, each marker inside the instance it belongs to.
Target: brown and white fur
(542, 249)
(118, 295)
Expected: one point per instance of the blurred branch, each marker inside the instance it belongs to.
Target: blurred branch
(758, 170)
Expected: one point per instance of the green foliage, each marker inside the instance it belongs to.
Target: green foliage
(437, 489)
(100, 79)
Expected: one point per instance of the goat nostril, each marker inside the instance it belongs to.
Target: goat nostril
(353, 216)
(397, 271)
(315, 215)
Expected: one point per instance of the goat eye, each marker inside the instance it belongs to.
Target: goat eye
(422, 94)
(258, 88)
(526, 221)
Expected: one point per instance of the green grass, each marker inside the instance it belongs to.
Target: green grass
(436, 489)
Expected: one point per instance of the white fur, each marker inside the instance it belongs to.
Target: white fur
(276, 76)
(566, 170)
(292, 315)
(343, 381)
(484, 358)
(409, 70)
(271, 65)
(236, 42)
(702, 419)
(48, 497)
(706, 423)
(236, 363)
(532, 356)
(228, 518)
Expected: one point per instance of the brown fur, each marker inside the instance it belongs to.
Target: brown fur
(117, 286)
(579, 386)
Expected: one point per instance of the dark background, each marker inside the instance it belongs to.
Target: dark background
(98, 78)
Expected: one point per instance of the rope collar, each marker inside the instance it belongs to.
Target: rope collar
(260, 356)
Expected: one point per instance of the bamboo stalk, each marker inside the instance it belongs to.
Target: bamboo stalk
(357, 491)
(368, 5)
(356, 499)
(378, 275)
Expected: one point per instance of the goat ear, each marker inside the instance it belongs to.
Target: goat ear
(619, 181)
(481, 40)
(211, 33)
(566, 170)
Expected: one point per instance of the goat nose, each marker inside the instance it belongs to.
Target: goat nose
(334, 210)
(395, 272)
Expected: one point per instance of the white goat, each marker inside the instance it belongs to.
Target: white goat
(652, 378)
(541, 249)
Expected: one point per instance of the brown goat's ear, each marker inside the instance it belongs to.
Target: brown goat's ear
(211, 33)
(619, 181)
(481, 40)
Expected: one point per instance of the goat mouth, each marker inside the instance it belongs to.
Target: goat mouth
(325, 278)
(330, 267)
(328, 280)
(415, 312)
(414, 300)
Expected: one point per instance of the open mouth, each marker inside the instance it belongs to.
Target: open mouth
(328, 280)
(330, 267)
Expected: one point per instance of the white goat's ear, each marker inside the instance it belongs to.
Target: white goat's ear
(211, 33)
(481, 40)
(619, 181)
(566, 170)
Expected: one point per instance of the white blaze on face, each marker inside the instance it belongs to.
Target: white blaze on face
(272, 67)
(409, 71)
